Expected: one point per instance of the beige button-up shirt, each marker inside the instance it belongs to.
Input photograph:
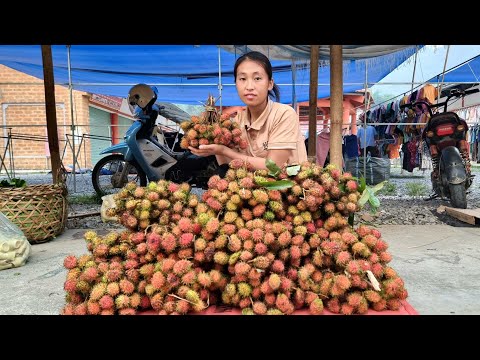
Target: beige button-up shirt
(275, 129)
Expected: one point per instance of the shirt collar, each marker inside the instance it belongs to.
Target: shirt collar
(260, 121)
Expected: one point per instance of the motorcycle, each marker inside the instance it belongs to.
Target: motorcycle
(446, 137)
(146, 156)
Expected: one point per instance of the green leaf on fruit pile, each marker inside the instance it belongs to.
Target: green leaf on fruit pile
(362, 185)
(364, 198)
(274, 170)
(276, 185)
(378, 187)
(374, 202)
(293, 170)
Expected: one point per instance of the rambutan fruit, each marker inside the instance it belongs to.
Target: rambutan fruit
(379, 305)
(244, 289)
(135, 300)
(363, 230)
(377, 270)
(70, 262)
(346, 309)
(106, 302)
(221, 258)
(186, 240)
(326, 286)
(189, 278)
(360, 249)
(70, 285)
(126, 286)
(354, 299)
(248, 245)
(270, 299)
(158, 280)
(112, 289)
(98, 291)
(385, 257)
(374, 258)
(204, 279)
(342, 282)
(283, 304)
(372, 296)
(259, 308)
(157, 301)
(181, 267)
(242, 268)
(80, 309)
(394, 304)
(316, 307)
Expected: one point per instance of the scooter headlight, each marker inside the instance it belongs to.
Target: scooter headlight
(460, 128)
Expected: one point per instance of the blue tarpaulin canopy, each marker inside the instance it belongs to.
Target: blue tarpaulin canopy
(468, 71)
(187, 74)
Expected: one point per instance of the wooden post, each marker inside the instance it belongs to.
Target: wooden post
(312, 108)
(336, 100)
(50, 110)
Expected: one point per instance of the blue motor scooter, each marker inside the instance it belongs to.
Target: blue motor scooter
(144, 157)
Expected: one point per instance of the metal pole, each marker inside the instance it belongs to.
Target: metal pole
(220, 78)
(443, 75)
(70, 89)
(294, 79)
(367, 101)
(414, 66)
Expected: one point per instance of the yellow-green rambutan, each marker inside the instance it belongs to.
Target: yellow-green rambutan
(316, 307)
(147, 270)
(261, 262)
(300, 230)
(200, 244)
(244, 289)
(98, 291)
(221, 258)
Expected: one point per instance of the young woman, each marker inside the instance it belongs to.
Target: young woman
(272, 129)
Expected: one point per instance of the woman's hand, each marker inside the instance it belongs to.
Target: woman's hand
(207, 150)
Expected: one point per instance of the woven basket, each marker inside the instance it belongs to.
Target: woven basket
(38, 210)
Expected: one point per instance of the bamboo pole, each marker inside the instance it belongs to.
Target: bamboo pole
(336, 101)
(50, 110)
(312, 113)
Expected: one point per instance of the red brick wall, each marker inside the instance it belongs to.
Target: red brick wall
(22, 100)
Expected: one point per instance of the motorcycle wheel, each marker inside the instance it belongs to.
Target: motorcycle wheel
(106, 175)
(458, 196)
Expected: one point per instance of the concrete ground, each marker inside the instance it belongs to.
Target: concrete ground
(439, 264)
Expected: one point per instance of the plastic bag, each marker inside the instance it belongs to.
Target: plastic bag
(14, 246)
(377, 169)
(108, 202)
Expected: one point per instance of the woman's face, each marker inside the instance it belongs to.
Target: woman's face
(252, 83)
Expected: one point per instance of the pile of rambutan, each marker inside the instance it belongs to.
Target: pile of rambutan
(211, 127)
(266, 244)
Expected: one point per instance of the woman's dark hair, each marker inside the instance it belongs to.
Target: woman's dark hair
(262, 60)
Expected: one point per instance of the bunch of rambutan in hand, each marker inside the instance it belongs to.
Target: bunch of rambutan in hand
(212, 128)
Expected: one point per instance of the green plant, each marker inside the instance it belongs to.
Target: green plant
(84, 199)
(14, 182)
(388, 189)
(416, 189)
(368, 195)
